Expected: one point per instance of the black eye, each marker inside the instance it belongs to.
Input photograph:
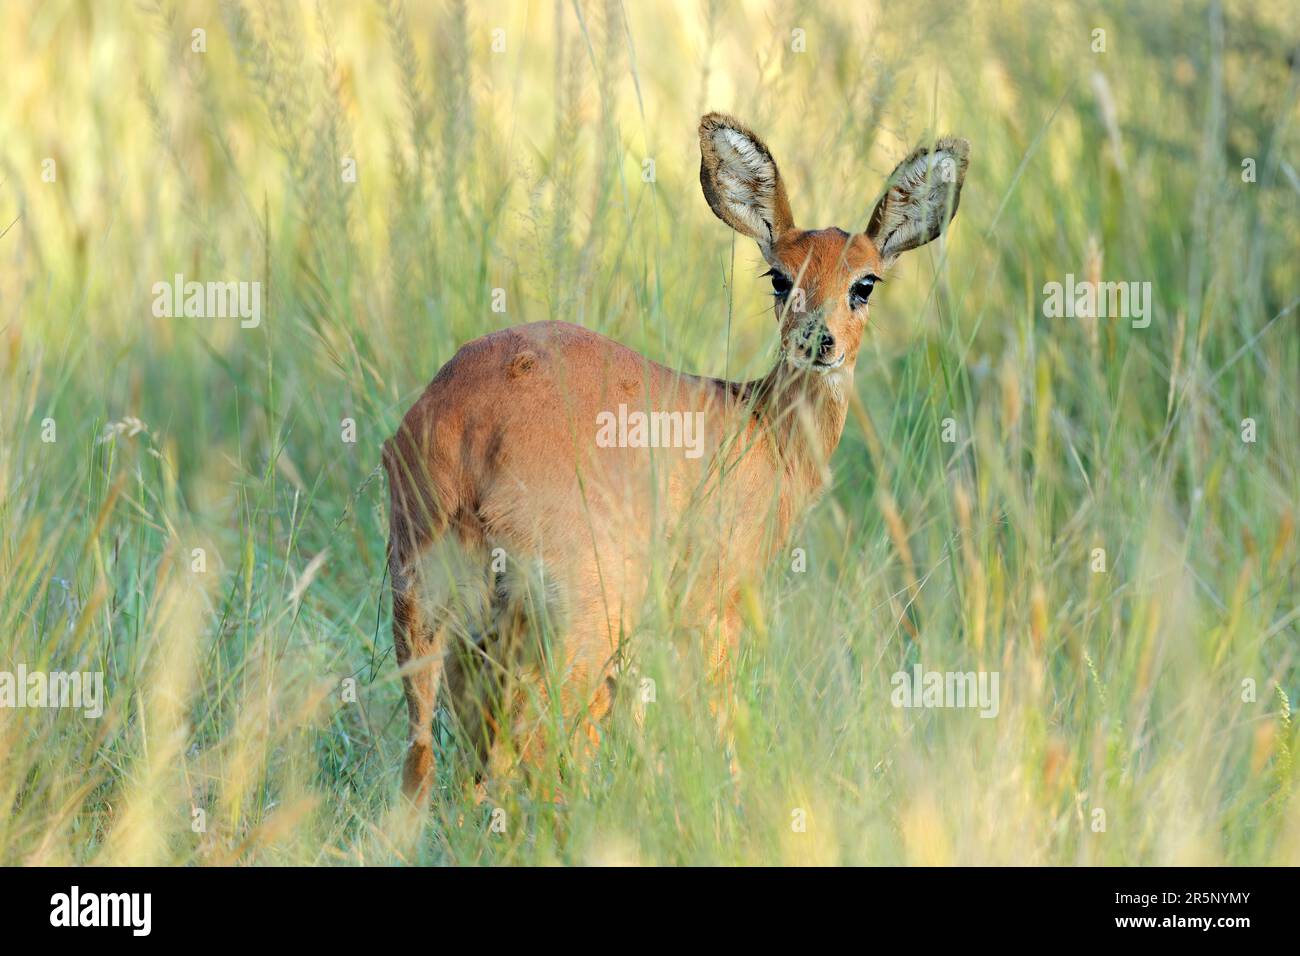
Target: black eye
(781, 285)
(861, 291)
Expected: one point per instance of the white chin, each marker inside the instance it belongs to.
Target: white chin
(819, 367)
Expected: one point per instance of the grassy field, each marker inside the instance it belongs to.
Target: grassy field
(182, 510)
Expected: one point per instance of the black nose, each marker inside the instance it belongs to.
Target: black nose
(825, 347)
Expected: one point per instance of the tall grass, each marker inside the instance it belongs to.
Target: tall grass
(228, 735)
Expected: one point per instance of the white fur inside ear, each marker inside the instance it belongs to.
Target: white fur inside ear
(920, 200)
(747, 178)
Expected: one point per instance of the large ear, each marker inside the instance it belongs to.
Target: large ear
(741, 181)
(920, 198)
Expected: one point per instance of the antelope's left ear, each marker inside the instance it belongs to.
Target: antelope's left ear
(920, 198)
(741, 181)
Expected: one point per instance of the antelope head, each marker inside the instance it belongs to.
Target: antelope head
(822, 279)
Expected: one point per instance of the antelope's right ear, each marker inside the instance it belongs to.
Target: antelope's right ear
(920, 198)
(741, 181)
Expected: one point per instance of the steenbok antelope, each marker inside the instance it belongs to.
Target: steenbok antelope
(522, 545)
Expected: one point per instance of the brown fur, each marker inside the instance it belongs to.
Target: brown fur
(500, 452)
